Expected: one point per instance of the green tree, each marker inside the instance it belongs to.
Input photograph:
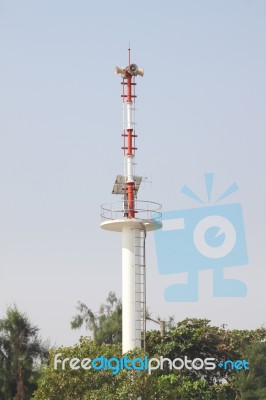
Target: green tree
(197, 338)
(251, 384)
(90, 384)
(106, 325)
(194, 338)
(20, 351)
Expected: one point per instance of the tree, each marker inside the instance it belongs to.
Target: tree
(194, 338)
(106, 325)
(89, 384)
(251, 385)
(20, 350)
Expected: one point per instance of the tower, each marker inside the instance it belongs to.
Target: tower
(133, 218)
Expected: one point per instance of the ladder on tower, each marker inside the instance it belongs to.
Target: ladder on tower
(140, 286)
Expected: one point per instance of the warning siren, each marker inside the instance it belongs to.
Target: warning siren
(132, 69)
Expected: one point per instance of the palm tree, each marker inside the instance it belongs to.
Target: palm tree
(20, 350)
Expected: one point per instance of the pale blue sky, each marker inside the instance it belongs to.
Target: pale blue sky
(200, 108)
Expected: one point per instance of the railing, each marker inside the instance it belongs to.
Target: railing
(144, 210)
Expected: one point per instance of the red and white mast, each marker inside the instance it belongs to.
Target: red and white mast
(133, 218)
(128, 74)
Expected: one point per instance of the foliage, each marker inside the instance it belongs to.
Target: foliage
(252, 384)
(106, 325)
(196, 338)
(89, 384)
(178, 387)
(20, 350)
(192, 338)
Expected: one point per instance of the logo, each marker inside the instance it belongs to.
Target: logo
(209, 237)
(149, 364)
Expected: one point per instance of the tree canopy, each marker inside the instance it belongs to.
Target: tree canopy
(194, 338)
(20, 350)
(252, 385)
(106, 325)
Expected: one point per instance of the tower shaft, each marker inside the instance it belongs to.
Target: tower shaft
(133, 287)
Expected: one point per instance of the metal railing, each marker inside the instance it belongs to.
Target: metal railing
(144, 210)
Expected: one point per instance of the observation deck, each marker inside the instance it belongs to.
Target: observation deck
(114, 216)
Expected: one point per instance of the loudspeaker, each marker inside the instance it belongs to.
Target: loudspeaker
(140, 71)
(121, 71)
(133, 69)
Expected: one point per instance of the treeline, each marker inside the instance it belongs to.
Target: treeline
(27, 366)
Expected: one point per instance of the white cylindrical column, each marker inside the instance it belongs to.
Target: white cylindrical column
(129, 115)
(129, 168)
(131, 326)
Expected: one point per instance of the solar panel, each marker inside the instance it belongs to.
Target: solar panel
(120, 184)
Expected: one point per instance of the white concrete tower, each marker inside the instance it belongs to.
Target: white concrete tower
(133, 218)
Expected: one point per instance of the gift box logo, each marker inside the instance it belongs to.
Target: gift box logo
(209, 237)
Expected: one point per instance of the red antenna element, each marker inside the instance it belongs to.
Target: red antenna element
(128, 74)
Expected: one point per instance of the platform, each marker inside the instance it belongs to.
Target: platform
(147, 215)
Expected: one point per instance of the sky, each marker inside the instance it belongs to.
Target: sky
(200, 109)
